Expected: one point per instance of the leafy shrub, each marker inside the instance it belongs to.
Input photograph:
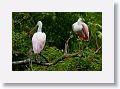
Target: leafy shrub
(58, 28)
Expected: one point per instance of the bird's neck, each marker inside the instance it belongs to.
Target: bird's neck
(39, 29)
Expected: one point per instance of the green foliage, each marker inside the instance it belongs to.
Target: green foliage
(52, 53)
(20, 45)
(89, 61)
(58, 28)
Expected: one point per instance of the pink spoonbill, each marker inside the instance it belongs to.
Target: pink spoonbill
(38, 40)
(81, 29)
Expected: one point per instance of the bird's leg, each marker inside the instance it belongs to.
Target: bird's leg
(36, 59)
(40, 55)
(31, 65)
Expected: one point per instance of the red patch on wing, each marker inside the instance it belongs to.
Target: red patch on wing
(84, 34)
(81, 35)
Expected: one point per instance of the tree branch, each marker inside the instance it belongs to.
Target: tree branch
(45, 64)
(33, 61)
(66, 45)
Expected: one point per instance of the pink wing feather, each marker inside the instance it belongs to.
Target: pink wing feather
(38, 41)
(84, 35)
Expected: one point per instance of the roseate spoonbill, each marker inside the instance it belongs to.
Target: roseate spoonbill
(38, 40)
(81, 29)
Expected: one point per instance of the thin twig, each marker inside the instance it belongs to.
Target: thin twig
(98, 49)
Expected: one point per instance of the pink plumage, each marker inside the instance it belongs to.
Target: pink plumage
(81, 29)
(84, 34)
(38, 39)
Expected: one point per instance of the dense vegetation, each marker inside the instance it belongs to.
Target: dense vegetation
(58, 28)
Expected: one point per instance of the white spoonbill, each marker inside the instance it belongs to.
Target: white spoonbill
(81, 29)
(38, 39)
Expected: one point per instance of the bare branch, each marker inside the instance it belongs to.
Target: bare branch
(66, 45)
(21, 62)
(33, 61)
(45, 64)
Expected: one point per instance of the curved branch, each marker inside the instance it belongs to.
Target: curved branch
(66, 45)
(66, 55)
(45, 64)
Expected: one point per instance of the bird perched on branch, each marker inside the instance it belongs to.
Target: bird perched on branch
(81, 29)
(38, 40)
